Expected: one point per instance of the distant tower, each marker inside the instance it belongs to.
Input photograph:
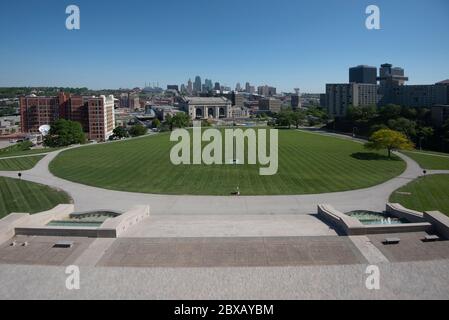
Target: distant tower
(189, 87)
(197, 84)
(296, 91)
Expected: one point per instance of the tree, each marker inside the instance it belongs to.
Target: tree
(424, 133)
(64, 133)
(120, 132)
(404, 125)
(297, 118)
(390, 111)
(364, 113)
(180, 120)
(284, 119)
(390, 140)
(138, 130)
(156, 123)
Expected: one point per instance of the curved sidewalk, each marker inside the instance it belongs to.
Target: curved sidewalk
(87, 198)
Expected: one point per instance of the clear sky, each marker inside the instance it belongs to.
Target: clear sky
(284, 43)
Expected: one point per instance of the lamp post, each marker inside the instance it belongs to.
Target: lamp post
(420, 143)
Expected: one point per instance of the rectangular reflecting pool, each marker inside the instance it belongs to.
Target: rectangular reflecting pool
(375, 218)
(84, 219)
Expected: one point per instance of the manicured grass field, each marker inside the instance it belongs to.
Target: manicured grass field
(308, 163)
(430, 161)
(425, 194)
(4, 154)
(23, 196)
(17, 164)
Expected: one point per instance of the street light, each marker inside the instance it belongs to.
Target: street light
(420, 143)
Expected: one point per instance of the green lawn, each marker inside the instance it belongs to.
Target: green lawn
(308, 163)
(425, 194)
(23, 196)
(430, 161)
(18, 164)
(6, 154)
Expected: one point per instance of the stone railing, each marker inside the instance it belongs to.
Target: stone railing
(36, 225)
(439, 221)
(397, 210)
(341, 221)
(352, 226)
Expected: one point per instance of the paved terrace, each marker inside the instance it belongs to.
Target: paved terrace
(411, 280)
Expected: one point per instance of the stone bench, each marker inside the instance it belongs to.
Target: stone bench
(389, 241)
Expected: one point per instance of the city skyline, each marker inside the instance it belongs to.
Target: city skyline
(138, 46)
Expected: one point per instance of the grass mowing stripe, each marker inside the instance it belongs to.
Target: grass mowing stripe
(425, 194)
(307, 164)
(23, 196)
(18, 164)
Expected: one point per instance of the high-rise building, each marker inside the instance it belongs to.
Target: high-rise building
(340, 96)
(189, 87)
(101, 117)
(37, 111)
(391, 76)
(238, 87)
(217, 86)
(173, 87)
(270, 104)
(95, 114)
(266, 91)
(363, 74)
(247, 87)
(197, 85)
(295, 101)
(208, 85)
(236, 99)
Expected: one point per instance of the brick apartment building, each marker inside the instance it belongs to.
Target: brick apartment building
(96, 114)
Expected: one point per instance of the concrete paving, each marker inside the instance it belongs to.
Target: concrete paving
(411, 247)
(185, 226)
(231, 252)
(40, 251)
(415, 280)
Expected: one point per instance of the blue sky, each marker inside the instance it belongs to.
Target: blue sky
(284, 43)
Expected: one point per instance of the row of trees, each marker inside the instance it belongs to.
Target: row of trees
(65, 132)
(310, 116)
(414, 123)
(136, 130)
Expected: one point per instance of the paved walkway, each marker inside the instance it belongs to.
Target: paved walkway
(411, 280)
(24, 156)
(88, 198)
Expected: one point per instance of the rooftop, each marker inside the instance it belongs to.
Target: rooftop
(206, 100)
